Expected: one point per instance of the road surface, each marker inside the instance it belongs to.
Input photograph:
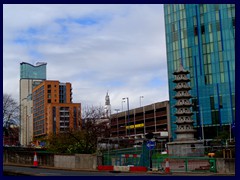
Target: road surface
(17, 171)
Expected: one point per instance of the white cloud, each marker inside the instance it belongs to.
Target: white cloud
(97, 48)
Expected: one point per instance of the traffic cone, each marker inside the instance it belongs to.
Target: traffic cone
(167, 167)
(35, 161)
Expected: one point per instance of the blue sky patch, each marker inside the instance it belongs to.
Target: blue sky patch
(32, 31)
(35, 55)
(82, 21)
(21, 41)
(86, 21)
(156, 81)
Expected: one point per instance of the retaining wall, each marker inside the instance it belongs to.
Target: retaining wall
(77, 161)
(225, 165)
(64, 161)
(26, 158)
(84, 161)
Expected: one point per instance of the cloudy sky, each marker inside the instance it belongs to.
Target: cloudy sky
(98, 48)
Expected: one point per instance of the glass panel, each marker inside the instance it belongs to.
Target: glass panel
(210, 37)
(222, 77)
(212, 102)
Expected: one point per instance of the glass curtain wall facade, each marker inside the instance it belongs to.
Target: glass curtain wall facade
(202, 38)
(29, 71)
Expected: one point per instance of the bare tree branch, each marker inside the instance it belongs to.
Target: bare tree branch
(10, 111)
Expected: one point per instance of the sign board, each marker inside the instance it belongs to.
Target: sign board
(164, 133)
(135, 126)
(121, 168)
(150, 145)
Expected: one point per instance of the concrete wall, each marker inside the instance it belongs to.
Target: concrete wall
(26, 158)
(184, 148)
(225, 165)
(78, 161)
(85, 161)
(64, 161)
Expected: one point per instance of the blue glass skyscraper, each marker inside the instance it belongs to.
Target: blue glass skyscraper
(202, 38)
(29, 71)
(30, 77)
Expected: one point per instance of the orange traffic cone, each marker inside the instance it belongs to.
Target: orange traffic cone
(167, 167)
(35, 161)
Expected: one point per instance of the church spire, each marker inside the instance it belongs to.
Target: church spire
(107, 105)
(107, 99)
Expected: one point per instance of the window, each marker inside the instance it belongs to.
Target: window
(211, 47)
(194, 20)
(212, 102)
(222, 77)
(173, 27)
(202, 29)
(208, 79)
(195, 105)
(175, 36)
(195, 31)
(204, 8)
(196, 40)
(217, 15)
(233, 22)
(218, 26)
(214, 117)
(210, 27)
(221, 102)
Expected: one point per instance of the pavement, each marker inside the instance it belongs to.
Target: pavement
(148, 172)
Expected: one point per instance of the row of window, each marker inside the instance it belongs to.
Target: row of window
(38, 132)
(38, 95)
(37, 118)
(36, 123)
(203, 8)
(38, 110)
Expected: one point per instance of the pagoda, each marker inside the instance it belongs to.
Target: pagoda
(185, 144)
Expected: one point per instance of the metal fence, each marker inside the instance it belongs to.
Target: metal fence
(117, 157)
(185, 164)
(156, 161)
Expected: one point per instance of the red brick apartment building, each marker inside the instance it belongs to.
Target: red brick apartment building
(53, 110)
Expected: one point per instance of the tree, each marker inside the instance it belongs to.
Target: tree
(94, 125)
(10, 115)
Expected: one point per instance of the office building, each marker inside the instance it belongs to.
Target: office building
(201, 37)
(30, 77)
(53, 110)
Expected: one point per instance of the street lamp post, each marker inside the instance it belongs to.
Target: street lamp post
(128, 112)
(140, 100)
(144, 129)
(117, 124)
(122, 104)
